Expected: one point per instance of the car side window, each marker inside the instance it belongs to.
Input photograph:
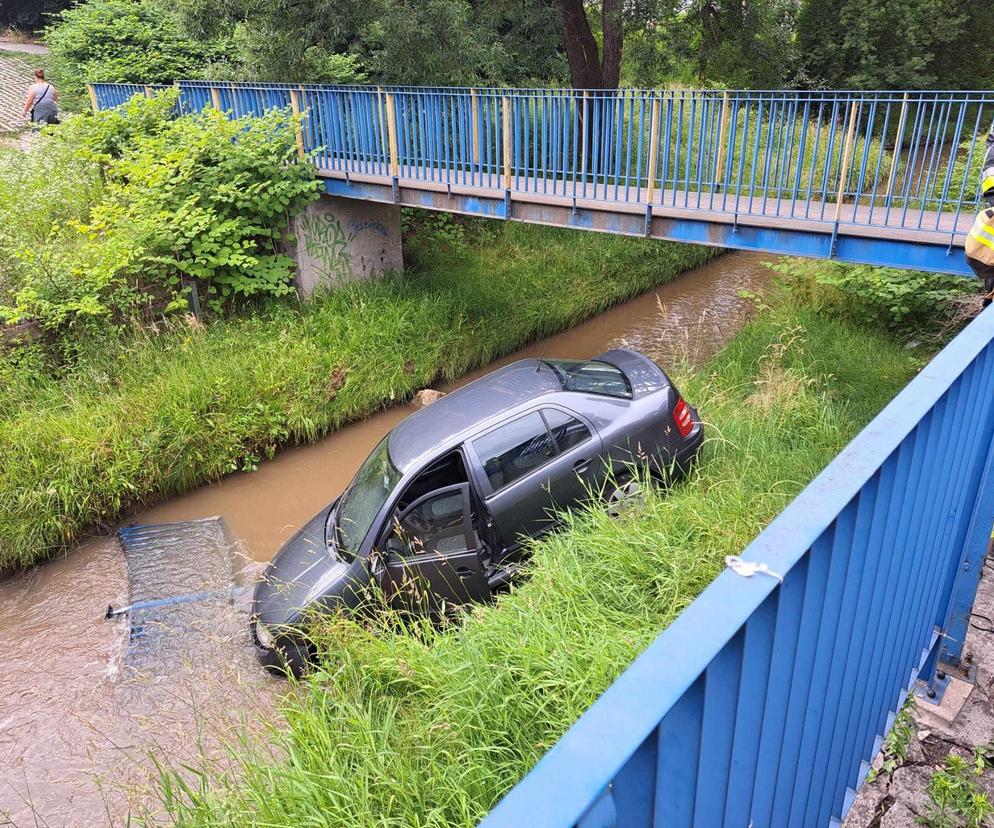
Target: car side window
(436, 525)
(514, 449)
(567, 430)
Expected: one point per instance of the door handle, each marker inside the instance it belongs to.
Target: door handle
(464, 571)
(581, 465)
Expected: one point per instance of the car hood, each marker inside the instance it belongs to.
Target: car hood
(301, 572)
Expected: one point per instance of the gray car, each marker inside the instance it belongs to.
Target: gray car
(440, 513)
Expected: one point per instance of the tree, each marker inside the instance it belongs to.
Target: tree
(592, 66)
(121, 41)
(280, 40)
(29, 15)
(894, 44)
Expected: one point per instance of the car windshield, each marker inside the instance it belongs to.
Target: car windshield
(361, 502)
(591, 377)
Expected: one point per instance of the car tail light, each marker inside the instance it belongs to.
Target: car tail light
(681, 416)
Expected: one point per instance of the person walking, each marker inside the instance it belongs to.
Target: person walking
(42, 99)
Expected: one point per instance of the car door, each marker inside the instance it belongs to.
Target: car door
(530, 475)
(433, 554)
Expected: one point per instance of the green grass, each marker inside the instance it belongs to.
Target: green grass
(156, 414)
(431, 729)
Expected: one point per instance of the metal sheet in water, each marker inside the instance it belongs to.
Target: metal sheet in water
(181, 581)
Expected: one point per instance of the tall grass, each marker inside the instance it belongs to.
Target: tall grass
(159, 413)
(431, 729)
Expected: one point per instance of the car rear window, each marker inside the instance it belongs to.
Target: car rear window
(591, 377)
(514, 449)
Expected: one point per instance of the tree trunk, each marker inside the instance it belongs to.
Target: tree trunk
(587, 68)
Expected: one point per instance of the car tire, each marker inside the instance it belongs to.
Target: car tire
(622, 493)
(288, 658)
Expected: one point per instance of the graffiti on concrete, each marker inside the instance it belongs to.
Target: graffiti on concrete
(356, 227)
(327, 243)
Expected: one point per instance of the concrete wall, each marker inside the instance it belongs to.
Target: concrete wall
(345, 239)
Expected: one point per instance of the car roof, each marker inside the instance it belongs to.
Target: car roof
(462, 410)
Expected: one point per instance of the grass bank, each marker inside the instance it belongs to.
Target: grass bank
(156, 414)
(430, 730)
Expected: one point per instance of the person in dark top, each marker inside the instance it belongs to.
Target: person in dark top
(42, 100)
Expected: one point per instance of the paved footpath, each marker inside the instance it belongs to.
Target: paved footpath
(15, 77)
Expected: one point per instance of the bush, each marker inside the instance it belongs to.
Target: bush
(121, 41)
(199, 201)
(908, 303)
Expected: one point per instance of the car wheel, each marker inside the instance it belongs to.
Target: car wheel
(623, 494)
(287, 658)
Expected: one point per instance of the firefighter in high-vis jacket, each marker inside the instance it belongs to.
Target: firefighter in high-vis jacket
(980, 242)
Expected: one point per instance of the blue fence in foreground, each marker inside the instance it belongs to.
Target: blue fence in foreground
(763, 702)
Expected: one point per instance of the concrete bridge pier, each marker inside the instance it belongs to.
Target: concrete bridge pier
(341, 240)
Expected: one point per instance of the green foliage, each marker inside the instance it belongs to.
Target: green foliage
(29, 15)
(904, 44)
(911, 304)
(384, 41)
(430, 728)
(136, 41)
(895, 750)
(955, 798)
(164, 205)
(162, 410)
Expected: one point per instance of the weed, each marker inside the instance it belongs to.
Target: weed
(895, 749)
(956, 800)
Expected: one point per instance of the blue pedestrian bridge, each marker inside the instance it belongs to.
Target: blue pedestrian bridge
(882, 178)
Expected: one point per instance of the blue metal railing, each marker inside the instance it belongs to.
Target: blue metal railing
(901, 160)
(764, 701)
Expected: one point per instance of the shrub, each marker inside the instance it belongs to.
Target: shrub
(124, 41)
(200, 201)
(910, 304)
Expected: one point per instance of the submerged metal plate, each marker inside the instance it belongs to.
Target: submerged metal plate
(181, 585)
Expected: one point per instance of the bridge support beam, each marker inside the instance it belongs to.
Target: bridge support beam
(341, 240)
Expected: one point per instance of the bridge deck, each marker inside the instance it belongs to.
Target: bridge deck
(722, 216)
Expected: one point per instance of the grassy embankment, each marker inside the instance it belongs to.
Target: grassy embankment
(160, 413)
(431, 729)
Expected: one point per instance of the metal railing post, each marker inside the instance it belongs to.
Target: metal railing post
(846, 157)
(719, 169)
(297, 125)
(215, 98)
(94, 105)
(971, 567)
(392, 136)
(653, 149)
(476, 126)
(506, 105)
(895, 159)
(384, 140)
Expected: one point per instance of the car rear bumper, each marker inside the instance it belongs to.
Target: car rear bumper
(687, 452)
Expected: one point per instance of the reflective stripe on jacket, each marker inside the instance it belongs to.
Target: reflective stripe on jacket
(987, 176)
(980, 242)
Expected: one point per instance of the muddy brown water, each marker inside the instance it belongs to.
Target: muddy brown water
(77, 725)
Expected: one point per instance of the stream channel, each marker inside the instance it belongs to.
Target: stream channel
(87, 699)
